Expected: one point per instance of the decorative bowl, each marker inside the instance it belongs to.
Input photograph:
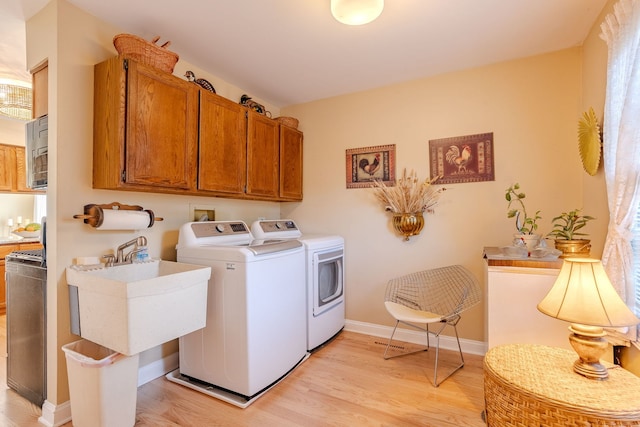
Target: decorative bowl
(27, 234)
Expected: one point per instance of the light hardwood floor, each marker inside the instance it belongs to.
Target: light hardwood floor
(347, 383)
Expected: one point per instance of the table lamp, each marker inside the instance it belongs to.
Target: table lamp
(584, 296)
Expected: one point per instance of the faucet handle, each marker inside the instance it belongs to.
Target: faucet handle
(109, 260)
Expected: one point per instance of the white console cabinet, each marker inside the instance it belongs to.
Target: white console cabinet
(514, 289)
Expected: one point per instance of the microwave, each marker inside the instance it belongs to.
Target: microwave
(36, 152)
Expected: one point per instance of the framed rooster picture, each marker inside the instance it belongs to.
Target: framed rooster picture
(462, 159)
(364, 165)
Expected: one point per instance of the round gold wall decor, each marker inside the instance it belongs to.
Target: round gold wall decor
(408, 224)
(589, 142)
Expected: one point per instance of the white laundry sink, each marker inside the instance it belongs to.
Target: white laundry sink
(131, 308)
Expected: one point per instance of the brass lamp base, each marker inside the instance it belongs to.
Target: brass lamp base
(589, 343)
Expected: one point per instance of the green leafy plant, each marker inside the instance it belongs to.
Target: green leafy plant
(567, 224)
(525, 224)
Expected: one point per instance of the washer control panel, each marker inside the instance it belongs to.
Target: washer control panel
(278, 225)
(218, 228)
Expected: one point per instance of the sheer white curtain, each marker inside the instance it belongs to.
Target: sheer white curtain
(621, 146)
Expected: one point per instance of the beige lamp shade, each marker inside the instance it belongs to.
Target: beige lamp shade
(583, 294)
(356, 12)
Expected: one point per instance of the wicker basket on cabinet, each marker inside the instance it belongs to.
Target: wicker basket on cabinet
(145, 52)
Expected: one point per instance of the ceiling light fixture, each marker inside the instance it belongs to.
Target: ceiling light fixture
(15, 99)
(356, 12)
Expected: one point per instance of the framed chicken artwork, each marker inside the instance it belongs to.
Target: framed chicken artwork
(364, 165)
(462, 159)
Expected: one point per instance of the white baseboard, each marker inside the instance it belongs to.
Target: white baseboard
(158, 368)
(55, 415)
(415, 337)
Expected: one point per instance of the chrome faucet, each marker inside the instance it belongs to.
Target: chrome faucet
(120, 258)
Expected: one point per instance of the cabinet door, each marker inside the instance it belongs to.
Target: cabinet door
(290, 163)
(161, 129)
(7, 160)
(222, 154)
(21, 170)
(40, 82)
(262, 156)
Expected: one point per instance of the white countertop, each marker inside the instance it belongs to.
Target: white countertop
(14, 240)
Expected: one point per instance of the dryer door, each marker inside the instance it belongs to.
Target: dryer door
(328, 280)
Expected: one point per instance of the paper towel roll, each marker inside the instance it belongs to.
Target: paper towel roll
(124, 220)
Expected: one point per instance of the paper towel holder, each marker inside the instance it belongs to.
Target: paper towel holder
(93, 214)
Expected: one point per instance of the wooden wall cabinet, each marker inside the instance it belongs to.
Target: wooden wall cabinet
(156, 132)
(241, 152)
(145, 129)
(13, 171)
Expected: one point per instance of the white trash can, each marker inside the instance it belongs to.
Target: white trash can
(103, 385)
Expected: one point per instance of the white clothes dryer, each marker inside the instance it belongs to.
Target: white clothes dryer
(255, 333)
(324, 255)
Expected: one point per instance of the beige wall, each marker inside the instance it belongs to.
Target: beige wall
(531, 106)
(73, 41)
(12, 131)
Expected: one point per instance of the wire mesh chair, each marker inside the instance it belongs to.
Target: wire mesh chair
(439, 296)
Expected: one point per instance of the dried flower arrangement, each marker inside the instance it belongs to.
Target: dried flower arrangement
(409, 195)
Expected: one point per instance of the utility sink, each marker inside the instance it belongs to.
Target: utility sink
(133, 307)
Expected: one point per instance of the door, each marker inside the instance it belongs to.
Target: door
(7, 161)
(222, 158)
(328, 280)
(290, 163)
(263, 156)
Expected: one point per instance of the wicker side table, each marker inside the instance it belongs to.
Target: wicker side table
(534, 385)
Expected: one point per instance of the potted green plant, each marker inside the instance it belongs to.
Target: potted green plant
(568, 237)
(525, 224)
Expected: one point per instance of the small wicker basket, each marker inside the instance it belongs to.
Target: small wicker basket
(292, 122)
(148, 53)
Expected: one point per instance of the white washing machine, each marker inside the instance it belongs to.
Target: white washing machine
(324, 277)
(255, 333)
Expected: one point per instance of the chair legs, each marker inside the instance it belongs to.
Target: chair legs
(453, 322)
